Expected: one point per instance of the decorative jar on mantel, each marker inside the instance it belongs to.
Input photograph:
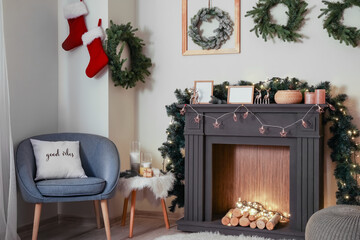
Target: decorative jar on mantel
(288, 97)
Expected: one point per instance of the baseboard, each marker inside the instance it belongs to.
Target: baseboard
(29, 227)
(157, 214)
(89, 220)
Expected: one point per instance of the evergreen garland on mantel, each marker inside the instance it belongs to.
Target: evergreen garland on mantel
(344, 149)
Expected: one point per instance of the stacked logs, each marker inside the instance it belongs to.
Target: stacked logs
(252, 218)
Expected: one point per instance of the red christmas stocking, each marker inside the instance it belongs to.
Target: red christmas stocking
(74, 13)
(98, 58)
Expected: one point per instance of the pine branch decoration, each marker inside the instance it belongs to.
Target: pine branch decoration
(140, 64)
(334, 12)
(264, 27)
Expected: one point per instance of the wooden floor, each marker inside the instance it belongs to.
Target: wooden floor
(145, 227)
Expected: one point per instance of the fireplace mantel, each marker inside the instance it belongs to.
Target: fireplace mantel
(306, 154)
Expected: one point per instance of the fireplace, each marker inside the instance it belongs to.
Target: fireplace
(236, 160)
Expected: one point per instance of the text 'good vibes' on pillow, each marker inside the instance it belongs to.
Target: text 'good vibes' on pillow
(57, 159)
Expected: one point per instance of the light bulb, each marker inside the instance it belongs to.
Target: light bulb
(235, 117)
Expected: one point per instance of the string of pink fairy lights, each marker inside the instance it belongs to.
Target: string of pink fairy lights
(262, 129)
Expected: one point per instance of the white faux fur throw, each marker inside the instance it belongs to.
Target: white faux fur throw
(208, 236)
(159, 185)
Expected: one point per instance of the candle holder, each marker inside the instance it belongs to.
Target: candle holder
(310, 98)
(320, 96)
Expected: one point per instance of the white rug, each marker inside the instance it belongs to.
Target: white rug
(208, 236)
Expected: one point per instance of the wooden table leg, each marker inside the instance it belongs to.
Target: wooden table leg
(123, 219)
(132, 213)
(166, 219)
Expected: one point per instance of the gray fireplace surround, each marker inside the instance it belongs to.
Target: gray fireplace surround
(306, 162)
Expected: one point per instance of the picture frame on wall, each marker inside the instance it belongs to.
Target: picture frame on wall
(240, 95)
(190, 7)
(203, 90)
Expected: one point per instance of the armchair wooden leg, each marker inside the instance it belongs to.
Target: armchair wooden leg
(97, 213)
(132, 213)
(166, 219)
(36, 224)
(123, 219)
(105, 213)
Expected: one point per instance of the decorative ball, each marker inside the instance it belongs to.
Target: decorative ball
(288, 97)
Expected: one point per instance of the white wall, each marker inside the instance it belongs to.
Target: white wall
(318, 58)
(83, 102)
(122, 103)
(31, 45)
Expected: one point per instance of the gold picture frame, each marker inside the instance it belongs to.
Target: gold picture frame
(185, 38)
(240, 95)
(205, 89)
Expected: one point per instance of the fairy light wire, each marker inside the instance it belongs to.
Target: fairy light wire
(256, 117)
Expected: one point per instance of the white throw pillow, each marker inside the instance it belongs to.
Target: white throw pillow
(57, 159)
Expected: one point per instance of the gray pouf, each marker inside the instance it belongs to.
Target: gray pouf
(340, 222)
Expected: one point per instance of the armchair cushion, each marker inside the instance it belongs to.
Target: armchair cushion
(57, 159)
(71, 187)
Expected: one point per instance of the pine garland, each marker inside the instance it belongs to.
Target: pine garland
(264, 27)
(334, 13)
(343, 146)
(139, 63)
(223, 32)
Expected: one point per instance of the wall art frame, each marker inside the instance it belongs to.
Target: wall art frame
(185, 37)
(240, 95)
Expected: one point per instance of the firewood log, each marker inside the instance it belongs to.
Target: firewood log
(237, 213)
(246, 214)
(226, 219)
(270, 225)
(234, 221)
(261, 222)
(244, 222)
(253, 224)
(253, 216)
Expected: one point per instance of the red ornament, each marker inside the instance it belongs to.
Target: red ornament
(216, 124)
(197, 118)
(235, 117)
(246, 114)
(304, 123)
(283, 133)
(262, 130)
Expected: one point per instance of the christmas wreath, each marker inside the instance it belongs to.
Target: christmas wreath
(264, 26)
(223, 32)
(139, 62)
(332, 23)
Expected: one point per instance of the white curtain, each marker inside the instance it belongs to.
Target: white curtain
(8, 203)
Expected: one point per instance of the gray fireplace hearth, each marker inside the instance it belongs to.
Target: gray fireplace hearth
(303, 165)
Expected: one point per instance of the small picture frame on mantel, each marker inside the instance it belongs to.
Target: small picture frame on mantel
(240, 95)
(203, 90)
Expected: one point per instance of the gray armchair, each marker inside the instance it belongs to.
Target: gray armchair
(100, 160)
